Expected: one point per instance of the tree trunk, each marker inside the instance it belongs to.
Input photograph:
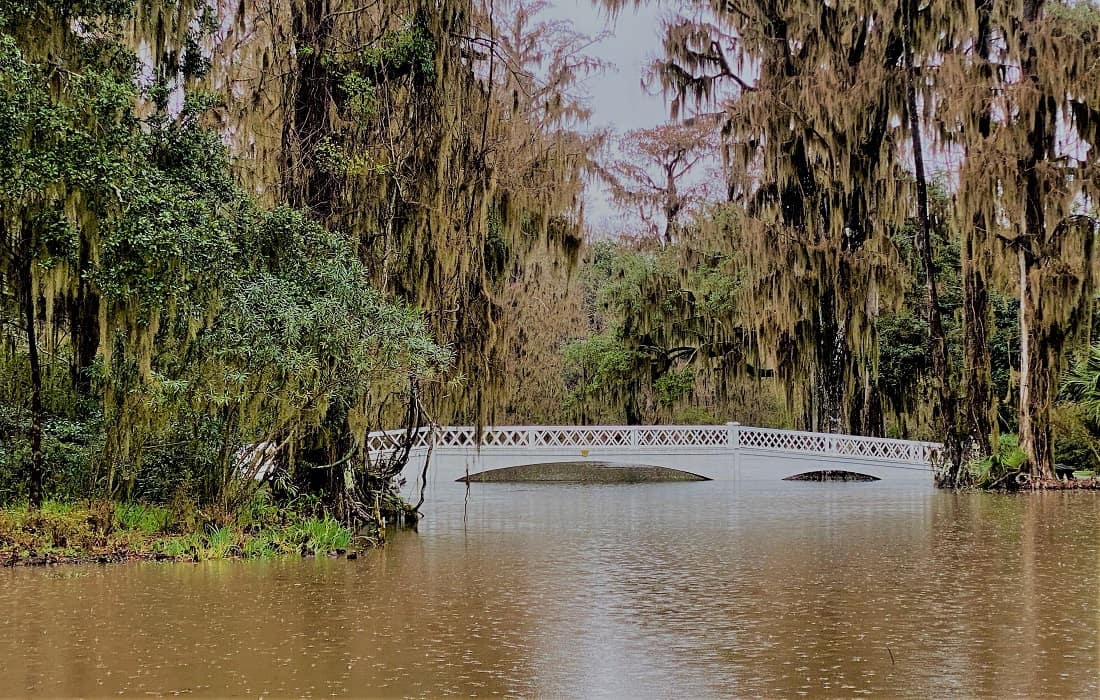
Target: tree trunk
(1038, 367)
(867, 417)
(26, 283)
(1037, 372)
(84, 317)
(980, 408)
(977, 265)
(937, 337)
(831, 360)
(630, 407)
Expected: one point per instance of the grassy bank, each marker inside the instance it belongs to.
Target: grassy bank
(106, 531)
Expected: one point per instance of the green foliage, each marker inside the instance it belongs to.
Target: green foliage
(408, 51)
(57, 525)
(321, 535)
(144, 518)
(903, 358)
(599, 367)
(1076, 421)
(674, 386)
(70, 8)
(995, 469)
(212, 323)
(220, 542)
(72, 435)
(179, 547)
(261, 512)
(1004, 352)
(497, 251)
(1081, 15)
(79, 530)
(664, 318)
(1076, 437)
(360, 96)
(1082, 384)
(258, 547)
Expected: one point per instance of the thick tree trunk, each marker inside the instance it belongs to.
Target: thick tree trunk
(631, 409)
(1039, 351)
(867, 417)
(831, 361)
(305, 183)
(1038, 368)
(980, 406)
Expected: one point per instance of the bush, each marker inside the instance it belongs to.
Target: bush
(1076, 442)
(993, 470)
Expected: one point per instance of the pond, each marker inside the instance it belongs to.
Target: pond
(632, 590)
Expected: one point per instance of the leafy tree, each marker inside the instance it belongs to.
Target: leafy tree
(1029, 165)
(195, 322)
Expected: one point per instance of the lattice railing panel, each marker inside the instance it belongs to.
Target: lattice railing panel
(793, 442)
(838, 445)
(390, 440)
(456, 437)
(504, 437)
(581, 437)
(683, 437)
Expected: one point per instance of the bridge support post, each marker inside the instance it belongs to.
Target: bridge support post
(733, 437)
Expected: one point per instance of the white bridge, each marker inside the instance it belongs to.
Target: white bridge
(721, 452)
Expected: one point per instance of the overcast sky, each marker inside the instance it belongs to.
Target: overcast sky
(616, 96)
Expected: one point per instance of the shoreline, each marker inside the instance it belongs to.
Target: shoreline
(12, 560)
(107, 533)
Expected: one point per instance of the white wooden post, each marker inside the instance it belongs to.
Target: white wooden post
(733, 438)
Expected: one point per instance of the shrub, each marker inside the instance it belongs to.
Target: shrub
(992, 470)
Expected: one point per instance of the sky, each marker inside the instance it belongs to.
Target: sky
(616, 96)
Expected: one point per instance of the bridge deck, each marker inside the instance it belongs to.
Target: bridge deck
(730, 451)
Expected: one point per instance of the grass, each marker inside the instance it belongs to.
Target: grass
(220, 542)
(322, 535)
(118, 531)
(143, 518)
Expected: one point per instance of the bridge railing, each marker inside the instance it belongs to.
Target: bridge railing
(388, 441)
(628, 438)
(550, 436)
(832, 444)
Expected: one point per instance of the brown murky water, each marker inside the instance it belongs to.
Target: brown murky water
(649, 590)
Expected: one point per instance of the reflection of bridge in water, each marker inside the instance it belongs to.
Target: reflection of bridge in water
(721, 452)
